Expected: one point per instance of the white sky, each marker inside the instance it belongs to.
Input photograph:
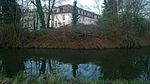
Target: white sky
(85, 4)
(89, 5)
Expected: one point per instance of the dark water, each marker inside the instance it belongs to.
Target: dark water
(89, 64)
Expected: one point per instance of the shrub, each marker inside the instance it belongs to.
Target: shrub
(10, 36)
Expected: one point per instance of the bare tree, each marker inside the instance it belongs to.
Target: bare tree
(98, 6)
(51, 5)
(50, 10)
(37, 3)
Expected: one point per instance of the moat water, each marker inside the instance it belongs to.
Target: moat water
(86, 64)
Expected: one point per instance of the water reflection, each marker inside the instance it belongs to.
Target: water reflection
(143, 64)
(33, 67)
(89, 71)
(87, 64)
(64, 70)
(11, 64)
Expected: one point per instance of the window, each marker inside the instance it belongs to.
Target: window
(81, 12)
(61, 9)
(59, 24)
(58, 10)
(83, 18)
(97, 17)
(87, 14)
(30, 25)
(84, 13)
(63, 17)
(55, 11)
(63, 23)
(55, 23)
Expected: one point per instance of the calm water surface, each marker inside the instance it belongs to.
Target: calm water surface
(87, 64)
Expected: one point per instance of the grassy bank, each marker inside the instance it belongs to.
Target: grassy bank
(55, 79)
(79, 37)
(82, 37)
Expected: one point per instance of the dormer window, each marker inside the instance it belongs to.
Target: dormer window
(58, 10)
(61, 9)
(80, 12)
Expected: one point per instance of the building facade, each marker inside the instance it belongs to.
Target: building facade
(61, 16)
(30, 20)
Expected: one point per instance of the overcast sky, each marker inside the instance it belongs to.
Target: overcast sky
(86, 4)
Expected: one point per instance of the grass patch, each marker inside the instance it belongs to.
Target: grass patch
(57, 79)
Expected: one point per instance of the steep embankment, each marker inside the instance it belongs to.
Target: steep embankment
(84, 38)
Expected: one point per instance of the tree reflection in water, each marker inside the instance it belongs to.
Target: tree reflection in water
(143, 64)
(88, 64)
(89, 71)
(33, 67)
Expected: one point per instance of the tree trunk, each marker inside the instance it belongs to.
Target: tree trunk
(43, 66)
(40, 12)
(50, 12)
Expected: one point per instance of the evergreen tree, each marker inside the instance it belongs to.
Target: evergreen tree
(10, 17)
(75, 14)
(10, 11)
(110, 8)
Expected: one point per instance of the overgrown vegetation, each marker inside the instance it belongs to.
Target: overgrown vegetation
(65, 37)
(83, 36)
(57, 79)
(10, 36)
(10, 14)
(125, 21)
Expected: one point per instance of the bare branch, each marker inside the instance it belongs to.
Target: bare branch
(33, 3)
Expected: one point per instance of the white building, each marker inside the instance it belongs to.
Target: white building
(62, 16)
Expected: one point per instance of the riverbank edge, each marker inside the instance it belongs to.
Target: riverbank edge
(57, 79)
(81, 48)
(78, 38)
(106, 45)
